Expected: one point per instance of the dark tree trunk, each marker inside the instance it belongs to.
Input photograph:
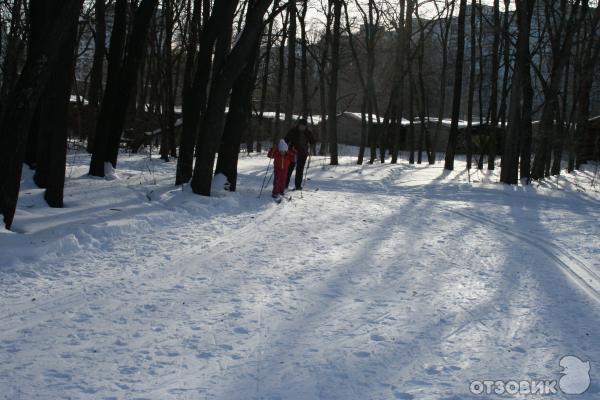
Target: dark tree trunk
(363, 130)
(236, 123)
(291, 66)
(194, 104)
(411, 82)
(54, 103)
(168, 91)
(519, 127)
(95, 90)
(586, 80)
(16, 118)
(445, 36)
(506, 66)
(115, 59)
(322, 84)
(493, 110)
(471, 88)
(265, 83)
(194, 95)
(424, 98)
(304, 60)
(458, 78)
(333, 84)
(224, 77)
(11, 54)
(561, 49)
(128, 76)
(280, 75)
(116, 100)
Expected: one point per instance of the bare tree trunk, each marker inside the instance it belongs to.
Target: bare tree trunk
(493, 109)
(411, 84)
(240, 110)
(333, 84)
(11, 55)
(561, 48)
(224, 77)
(168, 91)
(115, 58)
(95, 91)
(424, 98)
(194, 103)
(265, 82)
(482, 67)
(52, 140)
(291, 67)
(280, 75)
(458, 78)
(16, 117)
(519, 126)
(304, 60)
(469, 129)
(445, 35)
(591, 57)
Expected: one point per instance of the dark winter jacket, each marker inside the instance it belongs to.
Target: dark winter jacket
(300, 141)
(281, 162)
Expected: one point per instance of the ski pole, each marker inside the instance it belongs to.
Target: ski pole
(265, 178)
(305, 176)
(307, 167)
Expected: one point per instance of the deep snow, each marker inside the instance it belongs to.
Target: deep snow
(389, 282)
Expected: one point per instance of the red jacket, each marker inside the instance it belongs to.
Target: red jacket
(281, 161)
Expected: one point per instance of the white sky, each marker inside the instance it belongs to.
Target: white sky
(316, 16)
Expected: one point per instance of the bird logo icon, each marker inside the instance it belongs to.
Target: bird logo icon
(576, 375)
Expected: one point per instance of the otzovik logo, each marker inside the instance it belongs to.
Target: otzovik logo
(576, 375)
(575, 380)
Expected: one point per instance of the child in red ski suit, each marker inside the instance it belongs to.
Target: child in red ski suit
(282, 158)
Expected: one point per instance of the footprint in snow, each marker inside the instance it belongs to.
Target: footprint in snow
(518, 349)
(82, 318)
(241, 330)
(433, 370)
(128, 370)
(55, 374)
(145, 308)
(362, 354)
(377, 338)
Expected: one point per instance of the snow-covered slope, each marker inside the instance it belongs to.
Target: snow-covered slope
(402, 281)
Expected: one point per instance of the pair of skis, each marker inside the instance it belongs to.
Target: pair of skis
(279, 199)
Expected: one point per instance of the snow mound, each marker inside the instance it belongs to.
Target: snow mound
(110, 173)
(220, 185)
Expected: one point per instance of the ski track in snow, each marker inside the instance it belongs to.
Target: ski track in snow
(390, 282)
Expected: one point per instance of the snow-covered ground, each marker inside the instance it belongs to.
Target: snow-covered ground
(388, 282)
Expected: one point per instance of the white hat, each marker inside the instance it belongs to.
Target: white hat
(283, 147)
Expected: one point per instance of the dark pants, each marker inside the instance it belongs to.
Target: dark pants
(299, 166)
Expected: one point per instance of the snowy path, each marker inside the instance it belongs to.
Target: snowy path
(387, 283)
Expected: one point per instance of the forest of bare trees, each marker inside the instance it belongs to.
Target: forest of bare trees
(515, 81)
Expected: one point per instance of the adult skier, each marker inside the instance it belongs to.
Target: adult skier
(300, 139)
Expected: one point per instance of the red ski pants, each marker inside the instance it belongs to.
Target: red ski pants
(279, 181)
